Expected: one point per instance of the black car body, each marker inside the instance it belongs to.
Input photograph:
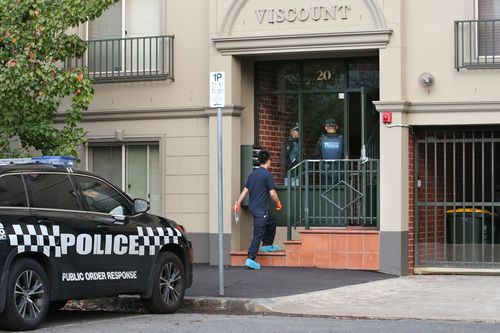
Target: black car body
(82, 237)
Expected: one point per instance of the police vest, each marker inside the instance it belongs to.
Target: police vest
(332, 147)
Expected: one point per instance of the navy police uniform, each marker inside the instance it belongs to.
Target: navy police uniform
(330, 147)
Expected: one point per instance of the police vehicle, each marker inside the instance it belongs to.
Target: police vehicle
(68, 234)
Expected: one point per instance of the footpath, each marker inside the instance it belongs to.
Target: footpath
(336, 293)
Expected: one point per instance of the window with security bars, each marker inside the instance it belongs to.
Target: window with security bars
(488, 28)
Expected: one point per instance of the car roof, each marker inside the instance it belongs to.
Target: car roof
(37, 167)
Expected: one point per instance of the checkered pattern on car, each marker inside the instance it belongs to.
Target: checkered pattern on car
(37, 238)
(46, 239)
(153, 238)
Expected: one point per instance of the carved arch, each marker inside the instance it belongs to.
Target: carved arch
(237, 6)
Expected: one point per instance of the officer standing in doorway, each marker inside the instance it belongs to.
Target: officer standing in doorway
(330, 146)
(290, 152)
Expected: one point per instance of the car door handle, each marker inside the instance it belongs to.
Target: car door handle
(103, 228)
(45, 222)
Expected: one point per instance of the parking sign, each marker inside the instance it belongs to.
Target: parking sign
(217, 90)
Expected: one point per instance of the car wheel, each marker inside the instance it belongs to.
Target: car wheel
(27, 297)
(169, 285)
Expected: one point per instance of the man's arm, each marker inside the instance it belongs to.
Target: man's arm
(275, 198)
(237, 205)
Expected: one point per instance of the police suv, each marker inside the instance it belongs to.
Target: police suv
(68, 234)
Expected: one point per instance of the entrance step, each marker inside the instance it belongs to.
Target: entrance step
(338, 248)
(274, 259)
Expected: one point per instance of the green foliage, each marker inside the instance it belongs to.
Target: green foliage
(34, 42)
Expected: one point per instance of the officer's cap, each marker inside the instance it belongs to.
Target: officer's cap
(330, 122)
(295, 127)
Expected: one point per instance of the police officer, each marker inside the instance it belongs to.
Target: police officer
(290, 151)
(330, 146)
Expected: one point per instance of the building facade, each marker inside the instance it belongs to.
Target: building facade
(418, 186)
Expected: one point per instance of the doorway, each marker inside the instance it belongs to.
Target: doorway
(306, 93)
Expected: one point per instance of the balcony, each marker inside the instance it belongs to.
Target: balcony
(477, 44)
(128, 59)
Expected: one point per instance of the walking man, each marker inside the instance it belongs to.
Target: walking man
(260, 185)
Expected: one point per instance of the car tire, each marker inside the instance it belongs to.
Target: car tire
(27, 297)
(169, 285)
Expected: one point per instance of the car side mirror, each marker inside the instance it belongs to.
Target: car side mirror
(141, 206)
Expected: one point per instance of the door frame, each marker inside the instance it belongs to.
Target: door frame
(159, 140)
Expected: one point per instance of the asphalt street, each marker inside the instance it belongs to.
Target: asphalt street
(74, 321)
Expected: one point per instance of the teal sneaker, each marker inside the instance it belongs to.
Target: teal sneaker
(269, 248)
(252, 264)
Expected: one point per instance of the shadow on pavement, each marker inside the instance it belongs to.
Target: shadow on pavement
(274, 281)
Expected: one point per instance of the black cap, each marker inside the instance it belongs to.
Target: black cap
(330, 122)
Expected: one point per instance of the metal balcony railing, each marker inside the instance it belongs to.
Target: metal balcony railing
(477, 44)
(128, 59)
(333, 193)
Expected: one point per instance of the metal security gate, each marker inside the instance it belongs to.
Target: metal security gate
(333, 193)
(457, 197)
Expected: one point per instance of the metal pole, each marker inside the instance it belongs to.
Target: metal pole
(219, 173)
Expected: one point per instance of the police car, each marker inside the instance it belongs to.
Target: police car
(68, 234)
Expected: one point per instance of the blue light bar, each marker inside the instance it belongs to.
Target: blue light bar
(67, 161)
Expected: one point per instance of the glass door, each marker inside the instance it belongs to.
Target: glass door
(142, 174)
(142, 19)
(104, 34)
(107, 162)
(137, 172)
(316, 109)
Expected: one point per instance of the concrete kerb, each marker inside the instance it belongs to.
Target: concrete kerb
(219, 304)
(192, 304)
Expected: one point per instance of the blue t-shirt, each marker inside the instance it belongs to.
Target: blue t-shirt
(259, 183)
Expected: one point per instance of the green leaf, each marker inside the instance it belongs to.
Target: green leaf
(32, 40)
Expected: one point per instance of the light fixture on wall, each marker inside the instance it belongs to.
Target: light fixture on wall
(426, 80)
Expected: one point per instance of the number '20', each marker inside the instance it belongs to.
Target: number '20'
(323, 75)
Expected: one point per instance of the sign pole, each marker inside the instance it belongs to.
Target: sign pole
(217, 99)
(221, 224)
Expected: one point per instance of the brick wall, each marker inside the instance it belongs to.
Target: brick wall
(432, 218)
(273, 130)
(411, 206)
(276, 114)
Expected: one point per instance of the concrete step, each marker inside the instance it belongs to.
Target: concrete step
(274, 259)
(337, 248)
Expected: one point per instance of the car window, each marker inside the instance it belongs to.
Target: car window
(12, 192)
(54, 191)
(102, 198)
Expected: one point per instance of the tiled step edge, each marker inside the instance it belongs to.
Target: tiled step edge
(275, 259)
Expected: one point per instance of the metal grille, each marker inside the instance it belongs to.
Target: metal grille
(477, 44)
(128, 59)
(457, 196)
(333, 193)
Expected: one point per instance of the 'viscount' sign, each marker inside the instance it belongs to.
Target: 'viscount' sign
(316, 13)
